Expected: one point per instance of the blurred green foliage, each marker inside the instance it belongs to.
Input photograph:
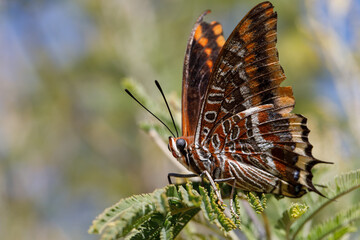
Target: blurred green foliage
(70, 145)
(172, 211)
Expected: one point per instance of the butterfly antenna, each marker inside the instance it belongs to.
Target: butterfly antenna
(128, 92)
(167, 105)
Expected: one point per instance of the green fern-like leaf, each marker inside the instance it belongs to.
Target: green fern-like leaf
(213, 212)
(128, 221)
(166, 232)
(341, 186)
(289, 216)
(298, 209)
(341, 232)
(143, 202)
(149, 229)
(342, 221)
(236, 205)
(206, 205)
(257, 203)
(183, 219)
(223, 221)
(285, 221)
(161, 214)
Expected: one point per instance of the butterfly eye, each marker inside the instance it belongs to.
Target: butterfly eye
(180, 144)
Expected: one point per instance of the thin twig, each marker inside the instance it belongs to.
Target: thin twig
(266, 225)
(320, 208)
(250, 212)
(166, 151)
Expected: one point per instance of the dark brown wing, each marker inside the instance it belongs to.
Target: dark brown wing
(273, 145)
(203, 47)
(247, 72)
(245, 79)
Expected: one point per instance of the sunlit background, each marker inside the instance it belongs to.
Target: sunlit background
(70, 144)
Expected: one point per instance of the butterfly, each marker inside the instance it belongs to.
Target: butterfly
(237, 125)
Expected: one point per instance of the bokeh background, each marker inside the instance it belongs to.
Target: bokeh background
(70, 144)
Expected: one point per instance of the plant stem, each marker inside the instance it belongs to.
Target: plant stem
(266, 225)
(250, 212)
(321, 207)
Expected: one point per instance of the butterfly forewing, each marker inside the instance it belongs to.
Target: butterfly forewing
(247, 72)
(204, 44)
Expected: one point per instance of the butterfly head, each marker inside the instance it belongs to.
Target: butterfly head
(178, 148)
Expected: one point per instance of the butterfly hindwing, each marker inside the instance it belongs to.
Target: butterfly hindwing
(262, 139)
(205, 42)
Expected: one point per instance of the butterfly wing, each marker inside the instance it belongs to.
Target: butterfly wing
(245, 116)
(204, 44)
(273, 146)
(247, 72)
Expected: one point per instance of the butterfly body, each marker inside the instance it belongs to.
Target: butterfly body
(236, 119)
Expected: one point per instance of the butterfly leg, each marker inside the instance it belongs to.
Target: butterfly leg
(232, 201)
(231, 194)
(179, 175)
(225, 179)
(217, 192)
